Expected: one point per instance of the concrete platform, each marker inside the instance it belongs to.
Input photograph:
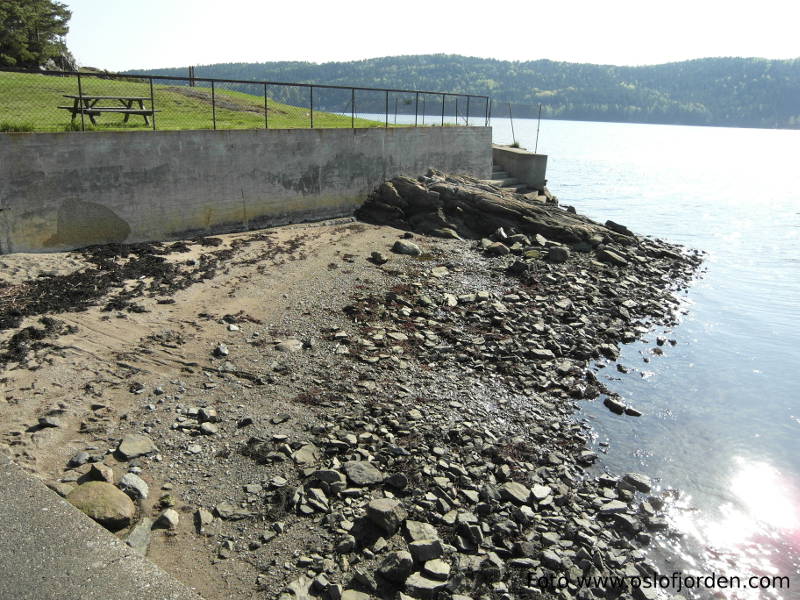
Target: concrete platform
(51, 550)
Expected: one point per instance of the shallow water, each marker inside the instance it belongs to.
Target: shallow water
(722, 407)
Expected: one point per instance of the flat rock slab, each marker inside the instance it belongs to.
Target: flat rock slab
(289, 345)
(515, 492)
(362, 473)
(134, 445)
(417, 530)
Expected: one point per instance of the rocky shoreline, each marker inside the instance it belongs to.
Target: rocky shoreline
(412, 433)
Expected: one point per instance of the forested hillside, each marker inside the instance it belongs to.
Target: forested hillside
(742, 92)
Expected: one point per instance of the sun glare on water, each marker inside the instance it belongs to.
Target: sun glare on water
(756, 532)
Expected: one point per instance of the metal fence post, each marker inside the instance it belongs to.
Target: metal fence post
(456, 110)
(266, 109)
(468, 97)
(416, 108)
(153, 103)
(443, 95)
(80, 101)
(488, 111)
(387, 108)
(213, 105)
(311, 104)
(353, 108)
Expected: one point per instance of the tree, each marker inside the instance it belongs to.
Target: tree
(32, 33)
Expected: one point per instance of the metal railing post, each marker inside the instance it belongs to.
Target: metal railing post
(416, 108)
(456, 110)
(311, 104)
(488, 111)
(153, 103)
(213, 105)
(443, 96)
(80, 102)
(468, 97)
(387, 108)
(353, 108)
(266, 109)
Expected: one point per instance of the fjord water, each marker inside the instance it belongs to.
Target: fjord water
(721, 408)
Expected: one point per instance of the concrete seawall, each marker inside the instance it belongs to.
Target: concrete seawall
(67, 190)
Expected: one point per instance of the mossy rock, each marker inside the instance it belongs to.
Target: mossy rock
(104, 503)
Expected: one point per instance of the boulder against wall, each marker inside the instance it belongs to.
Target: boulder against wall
(452, 205)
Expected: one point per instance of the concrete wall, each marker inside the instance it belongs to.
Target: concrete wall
(67, 190)
(526, 166)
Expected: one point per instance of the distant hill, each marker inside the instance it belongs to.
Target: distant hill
(737, 92)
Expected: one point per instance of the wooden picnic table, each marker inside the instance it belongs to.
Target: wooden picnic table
(88, 105)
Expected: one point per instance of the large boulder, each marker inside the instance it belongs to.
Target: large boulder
(105, 503)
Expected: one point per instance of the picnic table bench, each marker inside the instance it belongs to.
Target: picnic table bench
(87, 105)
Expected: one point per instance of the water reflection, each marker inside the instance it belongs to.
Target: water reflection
(755, 532)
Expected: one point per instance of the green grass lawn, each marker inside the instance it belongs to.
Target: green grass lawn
(28, 102)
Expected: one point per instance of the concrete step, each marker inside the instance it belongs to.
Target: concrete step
(500, 175)
(505, 182)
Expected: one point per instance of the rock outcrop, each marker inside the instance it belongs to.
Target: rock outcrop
(455, 206)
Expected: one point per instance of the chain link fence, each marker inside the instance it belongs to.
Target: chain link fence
(95, 101)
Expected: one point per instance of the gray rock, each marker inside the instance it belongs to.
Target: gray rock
(168, 519)
(134, 486)
(612, 507)
(424, 550)
(417, 530)
(289, 345)
(540, 492)
(81, 458)
(492, 567)
(104, 503)
(306, 455)
(611, 257)
(202, 519)
(497, 249)
(515, 492)
(362, 473)
(346, 544)
(540, 354)
(437, 569)
(221, 350)
(138, 537)
(134, 445)
(419, 586)
(619, 228)
(231, 512)
(557, 254)
(299, 589)
(355, 595)
(641, 482)
(386, 513)
(614, 405)
(379, 258)
(209, 428)
(551, 560)
(406, 247)
(396, 566)
(49, 421)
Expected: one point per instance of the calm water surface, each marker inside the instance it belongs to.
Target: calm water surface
(722, 407)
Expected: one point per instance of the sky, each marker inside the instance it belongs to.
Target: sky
(139, 34)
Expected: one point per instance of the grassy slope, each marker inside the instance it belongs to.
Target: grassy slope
(29, 99)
